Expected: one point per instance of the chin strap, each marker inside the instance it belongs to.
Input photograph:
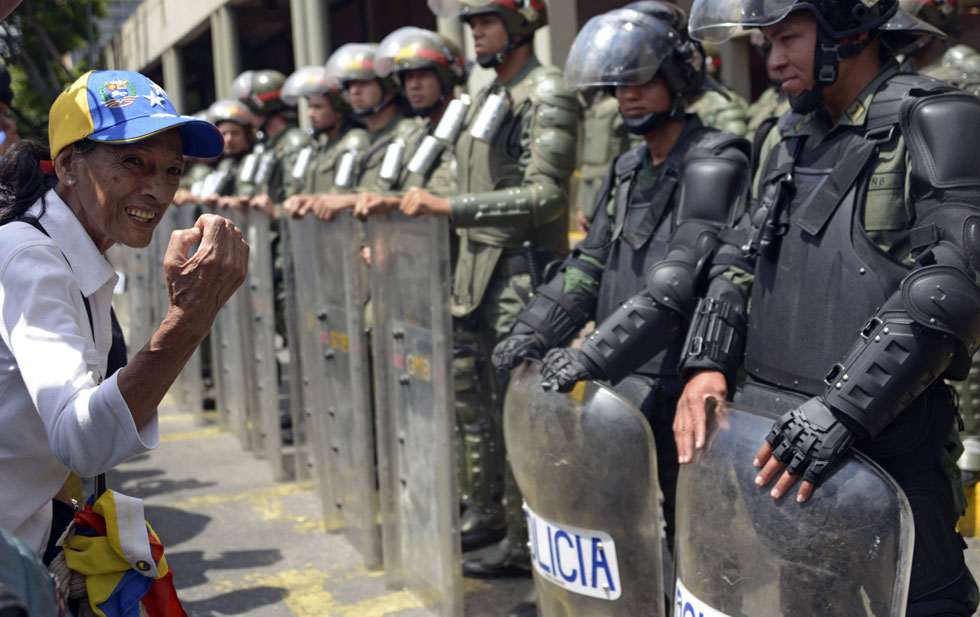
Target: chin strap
(364, 112)
(644, 125)
(488, 61)
(826, 68)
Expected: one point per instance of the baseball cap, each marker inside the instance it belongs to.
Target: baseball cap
(121, 107)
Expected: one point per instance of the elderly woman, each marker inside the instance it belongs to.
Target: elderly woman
(115, 160)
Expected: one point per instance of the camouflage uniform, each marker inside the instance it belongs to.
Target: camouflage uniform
(724, 110)
(771, 104)
(604, 137)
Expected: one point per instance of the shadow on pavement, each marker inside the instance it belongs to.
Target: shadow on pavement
(175, 526)
(191, 568)
(146, 483)
(235, 602)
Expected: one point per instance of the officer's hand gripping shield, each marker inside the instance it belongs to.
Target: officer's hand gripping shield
(410, 284)
(339, 373)
(587, 466)
(847, 551)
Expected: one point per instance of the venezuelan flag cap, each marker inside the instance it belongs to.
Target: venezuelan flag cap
(121, 107)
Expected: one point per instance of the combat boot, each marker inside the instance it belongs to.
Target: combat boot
(511, 556)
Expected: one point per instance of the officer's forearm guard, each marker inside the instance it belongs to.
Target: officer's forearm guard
(715, 339)
(532, 205)
(553, 315)
(645, 324)
(931, 322)
(639, 329)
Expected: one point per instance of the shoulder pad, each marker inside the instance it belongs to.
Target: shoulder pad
(630, 161)
(606, 106)
(356, 139)
(716, 141)
(549, 88)
(405, 127)
(941, 132)
(295, 139)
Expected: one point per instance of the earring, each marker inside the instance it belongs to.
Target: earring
(69, 179)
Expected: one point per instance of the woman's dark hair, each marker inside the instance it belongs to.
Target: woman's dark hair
(21, 180)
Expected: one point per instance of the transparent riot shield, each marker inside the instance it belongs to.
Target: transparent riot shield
(139, 266)
(235, 354)
(410, 282)
(344, 426)
(587, 467)
(191, 380)
(160, 296)
(293, 309)
(266, 427)
(847, 551)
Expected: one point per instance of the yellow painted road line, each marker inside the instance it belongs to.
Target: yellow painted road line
(167, 418)
(201, 433)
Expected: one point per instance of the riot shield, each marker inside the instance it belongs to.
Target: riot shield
(191, 380)
(345, 437)
(234, 346)
(160, 296)
(847, 551)
(307, 350)
(410, 284)
(292, 374)
(587, 467)
(260, 334)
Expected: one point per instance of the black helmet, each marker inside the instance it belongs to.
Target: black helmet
(717, 21)
(628, 47)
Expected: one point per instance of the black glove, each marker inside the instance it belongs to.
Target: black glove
(515, 348)
(562, 368)
(809, 439)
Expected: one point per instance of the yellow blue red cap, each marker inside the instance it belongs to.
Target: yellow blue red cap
(117, 107)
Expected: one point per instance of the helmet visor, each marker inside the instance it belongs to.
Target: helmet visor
(304, 82)
(621, 47)
(716, 21)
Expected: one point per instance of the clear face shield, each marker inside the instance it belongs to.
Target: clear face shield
(622, 47)
(716, 21)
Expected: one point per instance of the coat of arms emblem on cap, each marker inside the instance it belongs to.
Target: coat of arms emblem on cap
(118, 93)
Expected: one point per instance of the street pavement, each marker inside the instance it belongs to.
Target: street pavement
(241, 544)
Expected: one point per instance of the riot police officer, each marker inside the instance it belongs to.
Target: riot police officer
(374, 100)
(429, 67)
(511, 215)
(334, 135)
(861, 246)
(234, 120)
(661, 206)
(279, 140)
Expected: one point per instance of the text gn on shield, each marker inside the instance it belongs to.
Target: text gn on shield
(582, 561)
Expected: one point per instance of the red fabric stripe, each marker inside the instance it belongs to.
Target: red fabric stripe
(47, 167)
(268, 96)
(161, 598)
(91, 520)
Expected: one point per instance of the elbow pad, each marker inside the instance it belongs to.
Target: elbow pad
(646, 323)
(534, 205)
(943, 298)
(893, 362)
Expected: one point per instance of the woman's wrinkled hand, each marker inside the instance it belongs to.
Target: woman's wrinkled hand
(199, 285)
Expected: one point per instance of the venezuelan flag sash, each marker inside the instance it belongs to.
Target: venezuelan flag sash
(121, 557)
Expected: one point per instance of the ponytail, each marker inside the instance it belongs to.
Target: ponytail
(22, 182)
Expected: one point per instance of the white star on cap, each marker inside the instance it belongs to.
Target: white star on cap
(158, 89)
(155, 99)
